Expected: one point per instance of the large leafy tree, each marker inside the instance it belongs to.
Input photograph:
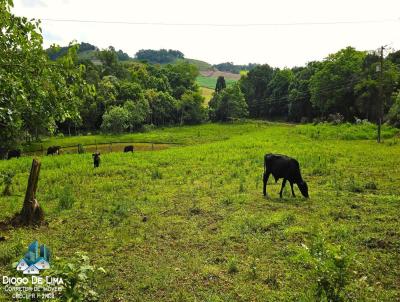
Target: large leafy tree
(276, 103)
(256, 90)
(220, 84)
(138, 112)
(35, 92)
(299, 106)
(115, 120)
(163, 107)
(181, 77)
(191, 109)
(332, 86)
(228, 104)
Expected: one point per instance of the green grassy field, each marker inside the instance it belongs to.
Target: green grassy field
(207, 93)
(189, 223)
(209, 82)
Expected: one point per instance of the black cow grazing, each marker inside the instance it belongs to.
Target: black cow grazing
(53, 150)
(96, 159)
(13, 154)
(129, 148)
(282, 166)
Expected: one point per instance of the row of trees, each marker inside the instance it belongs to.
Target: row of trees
(132, 94)
(161, 56)
(230, 67)
(345, 83)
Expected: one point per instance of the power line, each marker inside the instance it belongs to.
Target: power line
(220, 24)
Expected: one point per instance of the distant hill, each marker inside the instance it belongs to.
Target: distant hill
(85, 51)
(201, 65)
(208, 73)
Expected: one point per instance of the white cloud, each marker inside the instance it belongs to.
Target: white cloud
(276, 45)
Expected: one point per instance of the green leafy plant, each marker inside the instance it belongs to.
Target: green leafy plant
(7, 180)
(331, 269)
(232, 266)
(78, 277)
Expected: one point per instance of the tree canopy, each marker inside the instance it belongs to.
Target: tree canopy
(161, 56)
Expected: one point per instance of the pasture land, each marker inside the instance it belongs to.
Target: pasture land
(206, 93)
(189, 223)
(211, 81)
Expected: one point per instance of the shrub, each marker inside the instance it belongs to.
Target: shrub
(232, 266)
(331, 269)
(8, 254)
(116, 120)
(7, 181)
(228, 104)
(78, 277)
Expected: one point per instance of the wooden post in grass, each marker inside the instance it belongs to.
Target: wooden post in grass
(32, 213)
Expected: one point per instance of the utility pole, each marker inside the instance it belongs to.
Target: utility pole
(380, 105)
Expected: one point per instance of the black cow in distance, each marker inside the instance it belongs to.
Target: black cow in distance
(96, 159)
(129, 149)
(53, 150)
(13, 154)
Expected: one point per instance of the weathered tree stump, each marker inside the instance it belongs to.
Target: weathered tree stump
(31, 213)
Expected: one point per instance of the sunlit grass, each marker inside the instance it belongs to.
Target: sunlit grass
(190, 223)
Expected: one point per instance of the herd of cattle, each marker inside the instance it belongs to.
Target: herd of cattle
(280, 166)
(55, 150)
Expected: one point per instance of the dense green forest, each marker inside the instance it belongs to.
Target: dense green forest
(45, 92)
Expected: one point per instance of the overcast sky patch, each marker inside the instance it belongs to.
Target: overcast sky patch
(277, 45)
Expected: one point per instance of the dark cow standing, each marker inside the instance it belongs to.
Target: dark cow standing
(282, 166)
(96, 159)
(53, 150)
(129, 148)
(13, 154)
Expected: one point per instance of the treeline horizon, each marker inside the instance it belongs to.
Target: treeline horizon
(41, 95)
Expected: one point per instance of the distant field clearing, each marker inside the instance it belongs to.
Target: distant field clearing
(211, 81)
(206, 93)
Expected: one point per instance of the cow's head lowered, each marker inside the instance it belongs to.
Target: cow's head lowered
(303, 188)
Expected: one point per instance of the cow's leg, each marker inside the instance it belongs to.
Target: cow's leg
(265, 180)
(283, 185)
(291, 185)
